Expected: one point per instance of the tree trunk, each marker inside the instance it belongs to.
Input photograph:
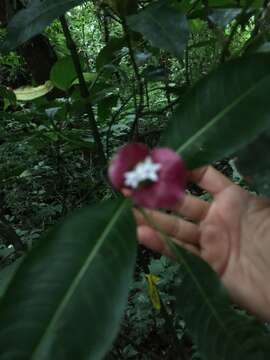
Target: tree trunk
(39, 57)
(38, 53)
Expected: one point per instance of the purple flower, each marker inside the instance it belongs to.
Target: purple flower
(155, 178)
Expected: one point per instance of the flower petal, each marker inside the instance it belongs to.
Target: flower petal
(126, 158)
(171, 184)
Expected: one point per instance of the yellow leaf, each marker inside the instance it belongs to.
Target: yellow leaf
(28, 93)
(153, 290)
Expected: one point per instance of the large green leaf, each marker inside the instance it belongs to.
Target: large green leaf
(63, 73)
(223, 112)
(163, 25)
(33, 20)
(66, 300)
(255, 165)
(218, 330)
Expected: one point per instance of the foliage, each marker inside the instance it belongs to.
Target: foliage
(125, 70)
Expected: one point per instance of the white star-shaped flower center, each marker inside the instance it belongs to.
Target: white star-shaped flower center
(145, 170)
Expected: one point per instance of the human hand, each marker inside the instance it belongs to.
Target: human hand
(232, 233)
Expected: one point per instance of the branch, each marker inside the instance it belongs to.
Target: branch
(83, 89)
(140, 105)
(113, 119)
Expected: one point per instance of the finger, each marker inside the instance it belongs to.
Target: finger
(192, 208)
(156, 242)
(126, 192)
(210, 179)
(171, 225)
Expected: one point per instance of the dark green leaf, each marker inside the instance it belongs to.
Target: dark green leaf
(155, 73)
(7, 274)
(105, 106)
(223, 112)
(222, 17)
(63, 73)
(33, 20)
(164, 26)
(264, 48)
(123, 7)
(231, 3)
(218, 330)
(8, 94)
(141, 57)
(88, 77)
(252, 163)
(110, 53)
(66, 300)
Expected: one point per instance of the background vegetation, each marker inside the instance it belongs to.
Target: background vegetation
(75, 84)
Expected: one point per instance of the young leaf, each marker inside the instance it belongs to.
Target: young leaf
(218, 330)
(223, 112)
(164, 26)
(67, 298)
(29, 93)
(34, 19)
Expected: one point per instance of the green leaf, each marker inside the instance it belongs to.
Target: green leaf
(67, 298)
(252, 163)
(29, 93)
(155, 73)
(231, 3)
(215, 326)
(8, 94)
(63, 73)
(34, 19)
(123, 7)
(223, 112)
(105, 106)
(77, 138)
(7, 274)
(110, 53)
(222, 17)
(164, 26)
(88, 77)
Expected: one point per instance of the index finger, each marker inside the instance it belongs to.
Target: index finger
(209, 179)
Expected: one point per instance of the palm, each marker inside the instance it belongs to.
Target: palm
(230, 233)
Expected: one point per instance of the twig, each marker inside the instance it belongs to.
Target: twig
(140, 105)
(114, 118)
(83, 89)
(168, 319)
(187, 74)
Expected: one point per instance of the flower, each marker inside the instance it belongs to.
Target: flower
(155, 178)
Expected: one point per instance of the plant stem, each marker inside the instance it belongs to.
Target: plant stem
(83, 89)
(140, 105)
(178, 346)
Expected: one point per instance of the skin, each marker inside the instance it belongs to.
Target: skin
(232, 233)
